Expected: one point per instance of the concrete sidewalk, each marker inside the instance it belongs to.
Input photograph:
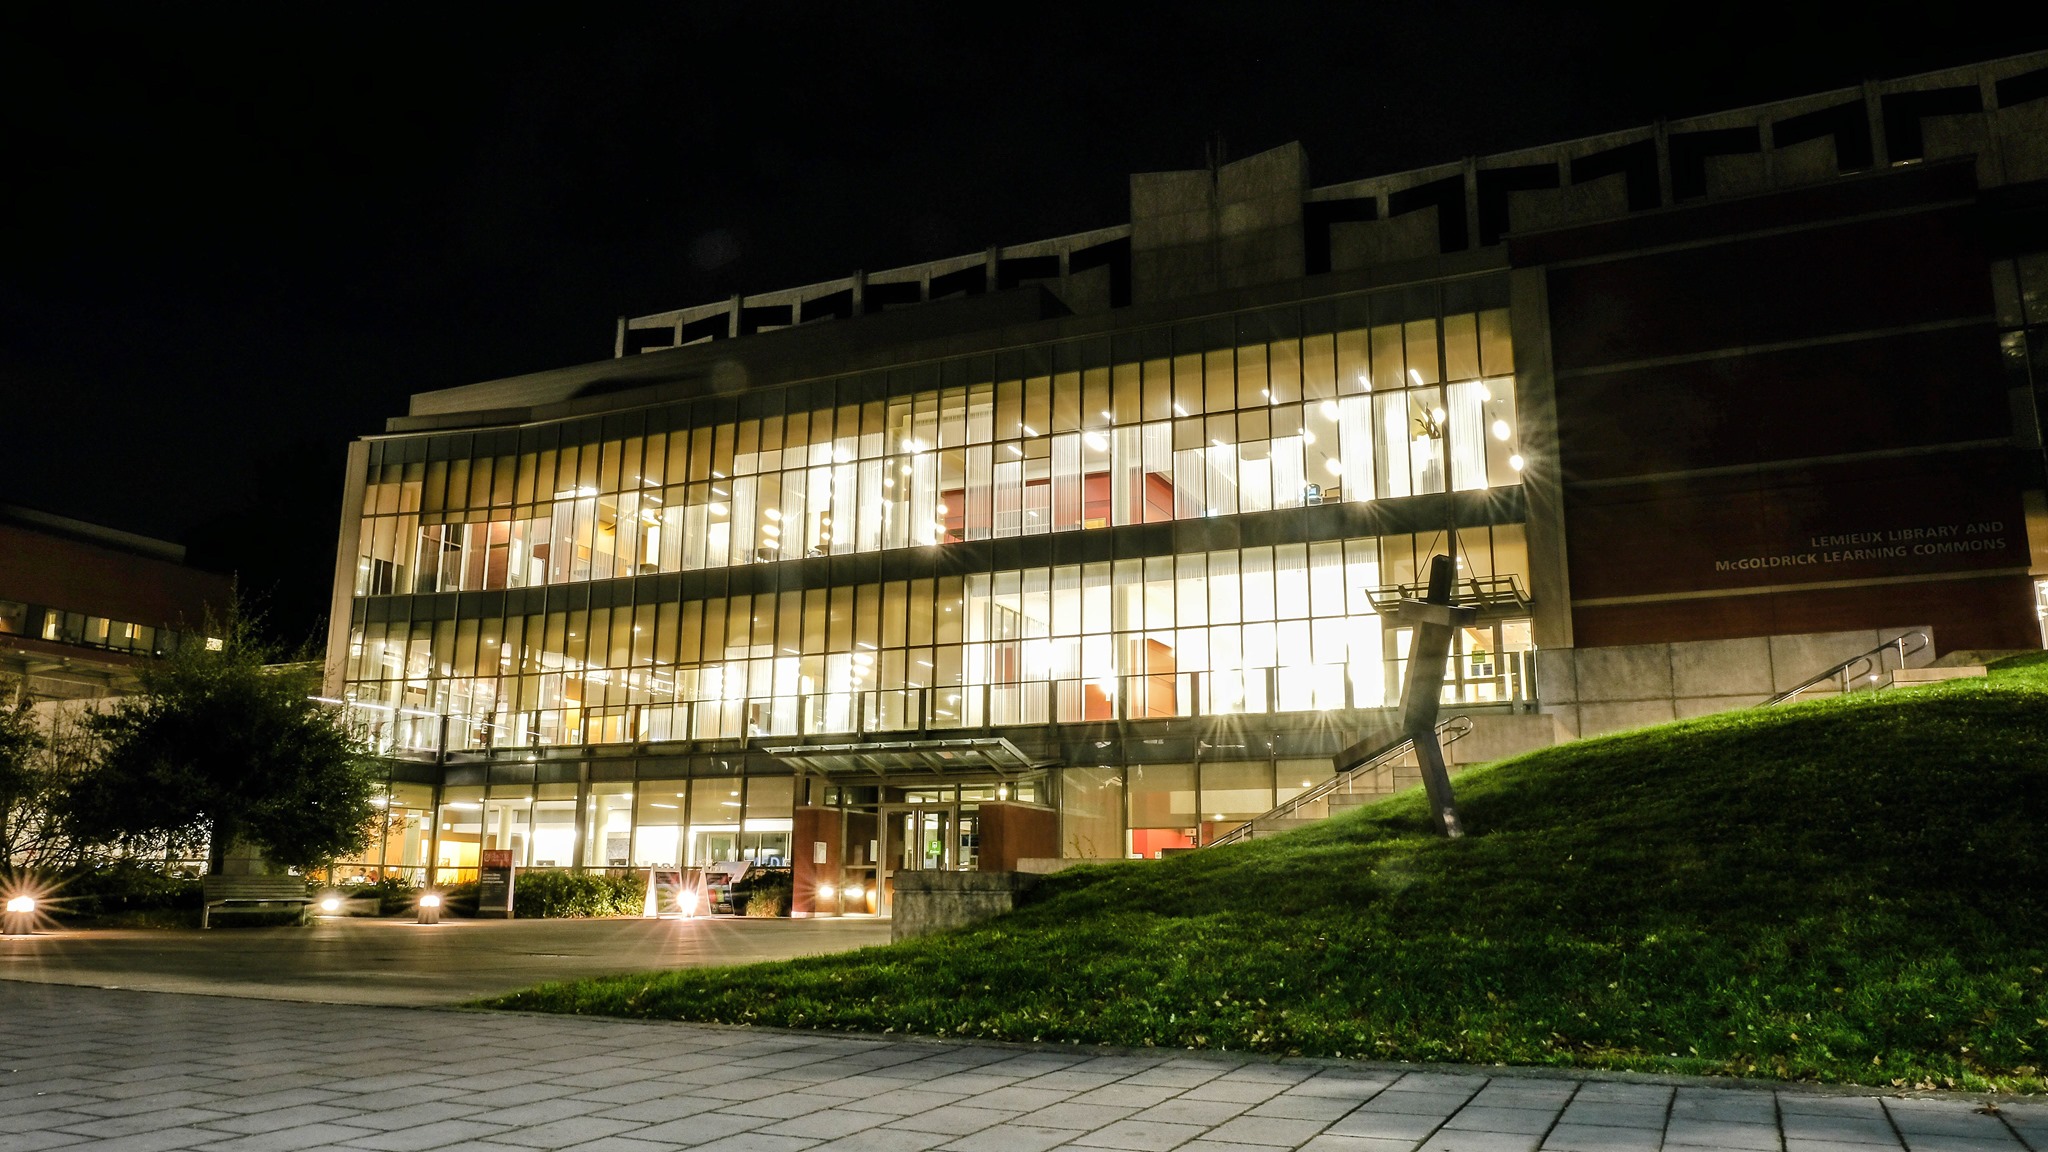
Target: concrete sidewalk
(123, 1071)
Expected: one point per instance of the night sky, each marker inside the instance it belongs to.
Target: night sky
(237, 236)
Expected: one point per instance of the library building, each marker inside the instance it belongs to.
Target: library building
(1089, 547)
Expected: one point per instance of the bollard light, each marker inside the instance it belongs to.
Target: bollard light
(430, 907)
(20, 919)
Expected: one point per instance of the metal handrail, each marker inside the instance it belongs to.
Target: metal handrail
(1447, 732)
(1858, 666)
(1482, 591)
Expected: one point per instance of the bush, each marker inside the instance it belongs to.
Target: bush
(124, 886)
(459, 899)
(394, 895)
(771, 897)
(569, 894)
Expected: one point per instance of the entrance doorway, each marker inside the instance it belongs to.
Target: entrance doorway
(916, 838)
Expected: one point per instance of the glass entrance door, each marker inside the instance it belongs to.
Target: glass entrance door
(915, 838)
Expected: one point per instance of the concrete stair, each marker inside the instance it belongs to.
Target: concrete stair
(1346, 801)
(1906, 677)
(1499, 735)
(1276, 827)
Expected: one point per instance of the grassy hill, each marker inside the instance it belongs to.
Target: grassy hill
(1846, 890)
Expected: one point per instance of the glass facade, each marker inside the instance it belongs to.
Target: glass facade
(846, 559)
(1367, 413)
(1287, 628)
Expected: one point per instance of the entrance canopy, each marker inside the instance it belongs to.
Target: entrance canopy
(980, 756)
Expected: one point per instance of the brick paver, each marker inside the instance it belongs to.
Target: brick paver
(114, 1070)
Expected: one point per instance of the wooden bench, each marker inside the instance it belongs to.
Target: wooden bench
(251, 894)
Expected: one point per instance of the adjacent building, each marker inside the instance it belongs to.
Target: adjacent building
(1084, 547)
(81, 605)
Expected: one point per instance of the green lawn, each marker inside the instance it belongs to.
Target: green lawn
(1843, 890)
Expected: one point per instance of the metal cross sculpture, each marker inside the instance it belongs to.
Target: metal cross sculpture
(1433, 617)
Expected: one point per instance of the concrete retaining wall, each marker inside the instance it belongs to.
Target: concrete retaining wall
(1594, 690)
(928, 902)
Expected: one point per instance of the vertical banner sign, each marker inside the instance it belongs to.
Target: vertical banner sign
(494, 883)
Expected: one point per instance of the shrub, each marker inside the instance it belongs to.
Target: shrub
(123, 886)
(570, 894)
(769, 898)
(394, 895)
(459, 899)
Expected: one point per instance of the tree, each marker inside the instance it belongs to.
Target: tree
(21, 784)
(225, 745)
(39, 758)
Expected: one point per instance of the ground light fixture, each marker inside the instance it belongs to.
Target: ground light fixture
(330, 903)
(430, 907)
(20, 917)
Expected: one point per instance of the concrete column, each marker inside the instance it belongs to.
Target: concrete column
(814, 827)
(1542, 476)
(338, 614)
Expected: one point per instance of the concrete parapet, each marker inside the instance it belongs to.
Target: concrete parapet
(927, 902)
(1590, 691)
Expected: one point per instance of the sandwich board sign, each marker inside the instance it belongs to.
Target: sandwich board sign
(672, 891)
(719, 880)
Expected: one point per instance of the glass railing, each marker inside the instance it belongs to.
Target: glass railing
(1506, 678)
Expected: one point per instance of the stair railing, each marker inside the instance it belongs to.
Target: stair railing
(1857, 667)
(1447, 732)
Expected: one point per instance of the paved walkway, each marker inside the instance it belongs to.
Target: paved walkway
(367, 961)
(124, 1071)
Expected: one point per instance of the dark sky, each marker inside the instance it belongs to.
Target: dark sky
(236, 236)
